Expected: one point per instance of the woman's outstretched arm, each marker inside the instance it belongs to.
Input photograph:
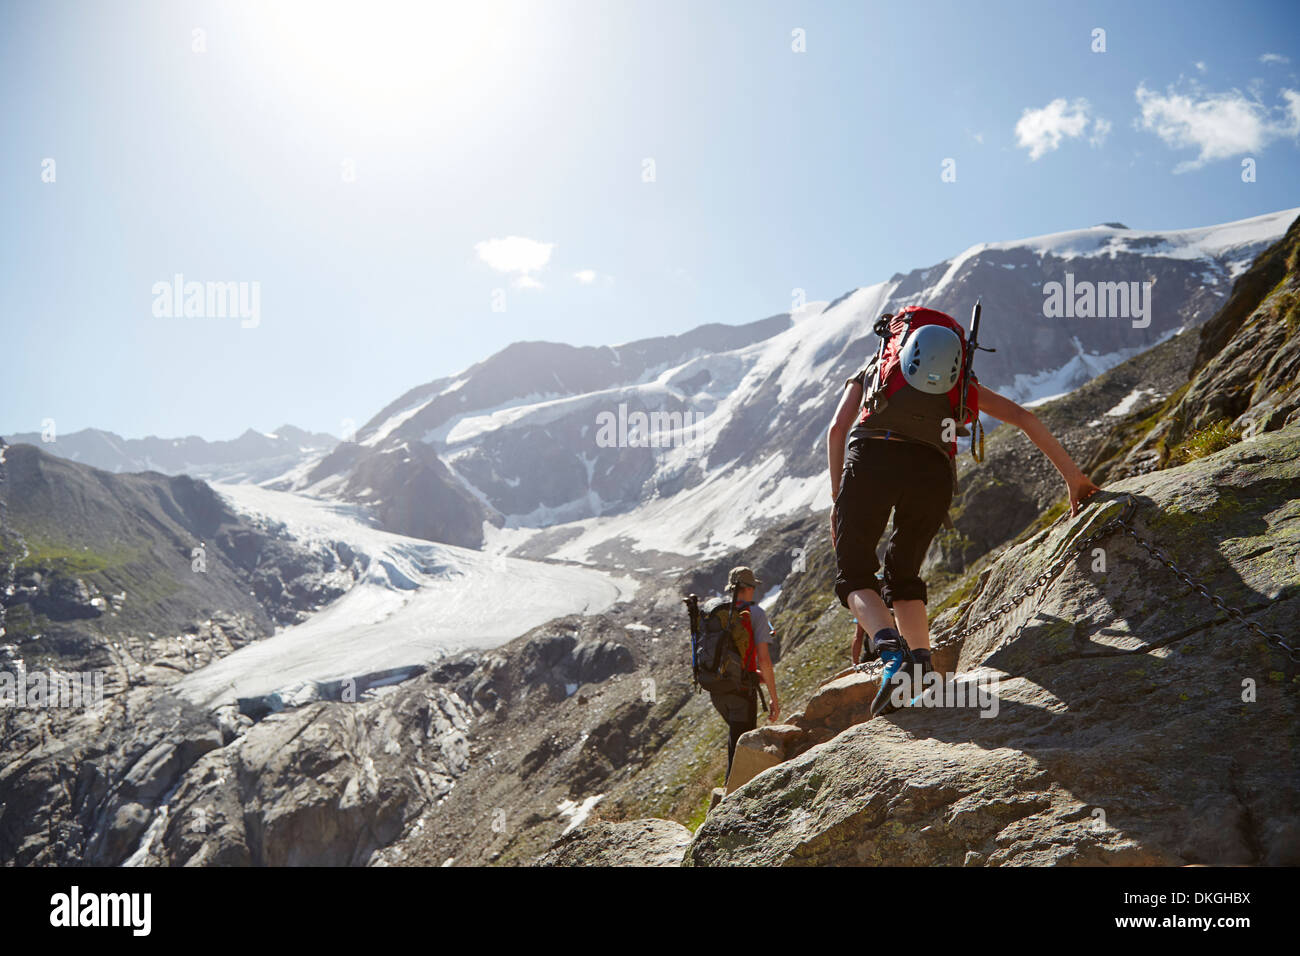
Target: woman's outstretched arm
(1080, 486)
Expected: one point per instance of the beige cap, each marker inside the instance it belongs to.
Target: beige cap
(742, 576)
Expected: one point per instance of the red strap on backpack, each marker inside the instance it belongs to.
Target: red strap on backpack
(751, 652)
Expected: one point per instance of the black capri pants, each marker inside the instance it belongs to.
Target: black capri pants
(912, 480)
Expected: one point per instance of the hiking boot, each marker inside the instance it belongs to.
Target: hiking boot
(921, 665)
(889, 679)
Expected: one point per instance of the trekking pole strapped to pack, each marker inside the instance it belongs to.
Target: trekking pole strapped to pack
(692, 603)
(972, 346)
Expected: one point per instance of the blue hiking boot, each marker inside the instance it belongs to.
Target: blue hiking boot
(895, 661)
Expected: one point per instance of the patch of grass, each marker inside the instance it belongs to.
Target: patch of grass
(702, 811)
(1200, 444)
(55, 554)
(64, 560)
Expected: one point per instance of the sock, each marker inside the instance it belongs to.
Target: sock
(886, 639)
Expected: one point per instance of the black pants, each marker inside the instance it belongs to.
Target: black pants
(740, 711)
(912, 480)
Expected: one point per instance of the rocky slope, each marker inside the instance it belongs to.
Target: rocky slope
(124, 571)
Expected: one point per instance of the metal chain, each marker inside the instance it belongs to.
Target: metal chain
(1277, 640)
(1121, 521)
(1083, 544)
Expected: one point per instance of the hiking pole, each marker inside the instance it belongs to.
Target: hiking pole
(973, 346)
(881, 328)
(972, 343)
(693, 612)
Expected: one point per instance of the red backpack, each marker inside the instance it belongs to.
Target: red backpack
(891, 405)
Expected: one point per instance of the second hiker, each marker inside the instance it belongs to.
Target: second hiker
(740, 707)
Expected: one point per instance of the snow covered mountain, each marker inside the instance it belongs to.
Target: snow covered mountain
(253, 456)
(641, 455)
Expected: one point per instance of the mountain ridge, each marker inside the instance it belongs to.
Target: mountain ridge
(527, 471)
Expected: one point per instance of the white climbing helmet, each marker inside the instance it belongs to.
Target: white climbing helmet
(931, 359)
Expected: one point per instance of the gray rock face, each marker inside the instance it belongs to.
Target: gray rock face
(636, 843)
(1134, 723)
(157, 782)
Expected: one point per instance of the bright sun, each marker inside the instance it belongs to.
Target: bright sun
(388, 57)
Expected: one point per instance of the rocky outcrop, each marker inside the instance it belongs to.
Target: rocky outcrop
(636, 843)
(1245, 374)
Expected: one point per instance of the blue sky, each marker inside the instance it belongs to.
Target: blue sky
(366, 163)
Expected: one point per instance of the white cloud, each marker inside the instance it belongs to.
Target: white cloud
(592, 277)
(525, 282)
(1292, 125)
(1200, 66)
(1041, 131)
(1218, 125)
(1100, 130)
(515, 254)
(1274, 58)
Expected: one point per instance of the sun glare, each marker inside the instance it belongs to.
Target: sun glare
(388, 57)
